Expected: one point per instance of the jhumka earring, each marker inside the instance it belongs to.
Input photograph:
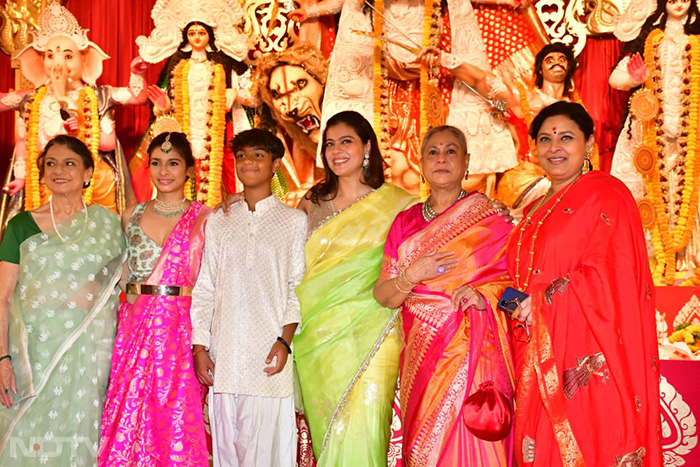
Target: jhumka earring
(365, 161)
(466, 175)
(167, 146)
(587, 165)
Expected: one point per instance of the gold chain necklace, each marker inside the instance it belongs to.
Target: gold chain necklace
(168, 210)
(523, 226)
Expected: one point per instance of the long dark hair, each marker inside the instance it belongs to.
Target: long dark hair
(373, 175)
(692, 26)
(215, 55)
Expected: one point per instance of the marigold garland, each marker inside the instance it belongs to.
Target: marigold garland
(380, 87)
(89, 131)
(32, 193)
(667, 243)
(207, 181)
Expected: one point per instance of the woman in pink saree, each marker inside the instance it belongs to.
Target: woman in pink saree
(444, 265)
(153, 409)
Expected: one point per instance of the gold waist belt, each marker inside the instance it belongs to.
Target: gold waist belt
(145, 289)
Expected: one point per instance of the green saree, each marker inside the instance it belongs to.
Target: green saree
(347, 350)
(62, 326)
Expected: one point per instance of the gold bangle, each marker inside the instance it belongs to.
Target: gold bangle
(398, 287)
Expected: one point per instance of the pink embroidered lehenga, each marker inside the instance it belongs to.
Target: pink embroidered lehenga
(153, 409)
(438, 342)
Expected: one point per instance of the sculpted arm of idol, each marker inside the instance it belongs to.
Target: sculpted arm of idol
(322, 8)
(136, 93)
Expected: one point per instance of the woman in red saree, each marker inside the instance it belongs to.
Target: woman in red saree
(586, 354)
(444, 265)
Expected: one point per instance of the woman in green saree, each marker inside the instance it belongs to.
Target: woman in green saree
(59, 269)
(347, 350)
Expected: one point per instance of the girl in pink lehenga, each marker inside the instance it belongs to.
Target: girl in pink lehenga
(153, 409)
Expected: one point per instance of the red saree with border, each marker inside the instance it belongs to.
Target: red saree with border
(587, 386)
(436, 338)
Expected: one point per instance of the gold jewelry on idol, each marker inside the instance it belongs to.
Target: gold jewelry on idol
(427, 209)
(169, 210)
(167, 146)
(523, 225)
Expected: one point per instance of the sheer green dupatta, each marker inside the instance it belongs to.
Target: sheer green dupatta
(62, 327)
(347, 351)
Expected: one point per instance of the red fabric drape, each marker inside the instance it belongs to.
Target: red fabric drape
(606, 105)
(7, 119)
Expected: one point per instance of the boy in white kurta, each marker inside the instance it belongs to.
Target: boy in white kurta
(245, 312)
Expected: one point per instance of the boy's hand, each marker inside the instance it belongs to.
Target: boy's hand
(225, 205)
(203, 367)
(280, 351)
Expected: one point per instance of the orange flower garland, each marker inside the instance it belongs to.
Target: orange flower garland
(209, 169)
(665, 242)
(32, 192)
(89, 131)
(380, 77)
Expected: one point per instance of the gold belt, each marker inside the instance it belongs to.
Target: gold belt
(145, 289)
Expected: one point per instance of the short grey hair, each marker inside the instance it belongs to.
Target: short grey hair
(461, 139)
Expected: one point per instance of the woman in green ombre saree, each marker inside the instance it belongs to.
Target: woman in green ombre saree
(59, 269)
(347, 350)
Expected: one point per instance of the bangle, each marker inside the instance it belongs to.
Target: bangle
(203, 349)
(6, 357)
(284, 343)
(399, 288)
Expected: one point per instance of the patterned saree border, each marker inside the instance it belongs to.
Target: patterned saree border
(353, 382)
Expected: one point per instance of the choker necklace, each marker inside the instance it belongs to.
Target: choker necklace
(427, 209)
(168, 210)
(53, 219)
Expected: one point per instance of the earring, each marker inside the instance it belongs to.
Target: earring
(466, 175)
(86, 184)
(422, 178)
(365, 161)
(587, 165)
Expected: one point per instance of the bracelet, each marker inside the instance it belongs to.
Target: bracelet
(6, 357)
(203, 349)
(284, 342)
(398, 287)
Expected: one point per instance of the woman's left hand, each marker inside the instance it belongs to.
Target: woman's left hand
(466, 296)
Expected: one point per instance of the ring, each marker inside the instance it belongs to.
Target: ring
(464, 300)
(6, 390)
(441, 269)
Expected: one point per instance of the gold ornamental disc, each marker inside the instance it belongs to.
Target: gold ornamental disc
(165, 124)
(644, 105)
(644, 159)
(646, 212)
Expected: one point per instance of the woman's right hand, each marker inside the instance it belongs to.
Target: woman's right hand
(7, 383)
(225, 205)
(524, 312)
(637, 69)
(431, 265)
(203, 367)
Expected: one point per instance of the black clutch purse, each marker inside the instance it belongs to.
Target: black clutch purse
(510, 300)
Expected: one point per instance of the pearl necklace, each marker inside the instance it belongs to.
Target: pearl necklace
(168, 210)
(427, 209)
(523, 225)
(53, 219)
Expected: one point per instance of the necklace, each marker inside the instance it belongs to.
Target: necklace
(427, 209)
(523, 225)
(53, 219)
(168, 210)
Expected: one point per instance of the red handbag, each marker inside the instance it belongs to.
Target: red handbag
(487, 412)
